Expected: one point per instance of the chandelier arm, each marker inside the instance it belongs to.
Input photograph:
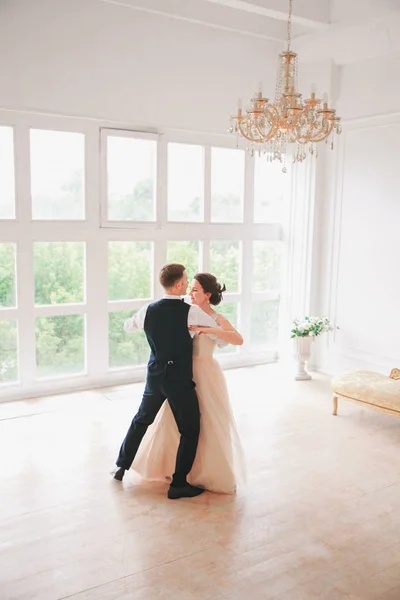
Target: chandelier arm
(322, 133)
(272, 134)
(246, 136)
(274, 114)
(273, 129)
(263, 137)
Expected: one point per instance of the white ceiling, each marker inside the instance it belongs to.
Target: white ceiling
(359, 30)
(342, 30)
(261, 18)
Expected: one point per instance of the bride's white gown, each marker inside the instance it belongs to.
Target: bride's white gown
(219, 465)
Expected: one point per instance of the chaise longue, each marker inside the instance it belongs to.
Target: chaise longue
(369, 389)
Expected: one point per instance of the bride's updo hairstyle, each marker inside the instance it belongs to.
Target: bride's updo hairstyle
(211, 286)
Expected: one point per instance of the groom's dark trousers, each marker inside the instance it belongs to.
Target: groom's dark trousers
(169, 376)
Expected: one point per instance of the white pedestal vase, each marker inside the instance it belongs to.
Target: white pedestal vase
(303, 353)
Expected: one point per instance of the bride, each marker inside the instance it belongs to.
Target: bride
(219, 463)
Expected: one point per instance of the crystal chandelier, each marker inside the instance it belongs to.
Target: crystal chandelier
(270, 127)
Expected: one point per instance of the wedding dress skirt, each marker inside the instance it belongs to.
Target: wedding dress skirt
(219, 465)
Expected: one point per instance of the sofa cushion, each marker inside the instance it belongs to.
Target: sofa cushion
(368, 387)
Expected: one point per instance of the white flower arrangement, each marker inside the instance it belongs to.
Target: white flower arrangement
(310, 327)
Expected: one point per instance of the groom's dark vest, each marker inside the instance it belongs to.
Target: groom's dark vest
(166, 329)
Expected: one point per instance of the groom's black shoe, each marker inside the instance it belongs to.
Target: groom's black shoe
(119, 473)
(184, 491)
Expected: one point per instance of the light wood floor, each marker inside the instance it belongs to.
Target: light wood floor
(318, 519)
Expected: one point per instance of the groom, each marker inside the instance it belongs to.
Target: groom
(169, 376)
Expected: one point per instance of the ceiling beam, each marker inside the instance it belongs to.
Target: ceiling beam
(213, 15)
(313, 14)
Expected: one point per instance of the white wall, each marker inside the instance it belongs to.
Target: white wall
(370, 87)
(357, 273)
(89, 58)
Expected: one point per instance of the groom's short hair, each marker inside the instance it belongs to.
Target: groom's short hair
(170, 274)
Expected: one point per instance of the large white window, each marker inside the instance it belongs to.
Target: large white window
(270, 191)
(8, 326)
(7, 275)
(130, 270)
(57, 175)
(7, 173)
(185, 182)
(89, 215)
(59, 280)
(131, 177)
(187, 253)
(227, 185)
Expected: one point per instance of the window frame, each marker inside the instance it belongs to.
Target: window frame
(95, 233)
(105, 133)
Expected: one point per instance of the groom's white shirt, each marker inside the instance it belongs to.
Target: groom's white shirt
(196, 317)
